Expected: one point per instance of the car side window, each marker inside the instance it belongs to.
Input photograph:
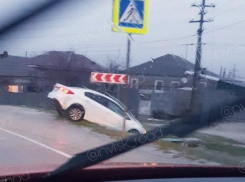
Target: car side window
(91, 96)
(97, 98)
(102, 100)
(87, 94)
(115, 108)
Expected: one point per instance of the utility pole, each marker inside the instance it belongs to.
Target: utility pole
(224, 72)
(197, 68)
(230, 75)
(234, 72)
(221, 70)
(126, 89)
(128, 52)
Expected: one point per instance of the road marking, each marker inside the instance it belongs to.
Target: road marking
(38, 143)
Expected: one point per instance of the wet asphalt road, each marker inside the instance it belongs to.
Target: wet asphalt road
(33, 137)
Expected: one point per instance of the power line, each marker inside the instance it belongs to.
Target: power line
(221, 28)
(111, 50)
(225, 43)
(229, 10)
(76, 16)
(69, 17)
(179, 9)
(155, 41)
(226, 3)
(93, 22)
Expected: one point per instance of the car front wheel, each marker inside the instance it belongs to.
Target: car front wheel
(133, 132)
(76, 113)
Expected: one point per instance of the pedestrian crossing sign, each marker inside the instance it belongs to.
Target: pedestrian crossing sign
(130, 16)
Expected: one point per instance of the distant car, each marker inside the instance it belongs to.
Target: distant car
(83, 103)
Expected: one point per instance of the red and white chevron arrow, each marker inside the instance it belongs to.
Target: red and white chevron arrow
(109, 78)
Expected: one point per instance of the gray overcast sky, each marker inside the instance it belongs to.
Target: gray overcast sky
(84, 26)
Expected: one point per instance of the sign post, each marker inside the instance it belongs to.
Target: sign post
(130, 17)
(126, 90)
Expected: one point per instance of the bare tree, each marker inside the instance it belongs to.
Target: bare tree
(115, 64)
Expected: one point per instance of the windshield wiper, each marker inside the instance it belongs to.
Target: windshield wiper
(180, 128)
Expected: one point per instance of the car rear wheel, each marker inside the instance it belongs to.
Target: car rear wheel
(76, 113)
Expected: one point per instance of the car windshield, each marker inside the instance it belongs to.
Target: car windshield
(165, 61)
(116, 100)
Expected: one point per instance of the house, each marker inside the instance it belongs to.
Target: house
(231, 85)
(164, 74)
(66, 68)
(164, 85)
(14, 73)
(40, 73)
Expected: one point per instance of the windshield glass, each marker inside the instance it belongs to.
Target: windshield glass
(116, 100)
(164, 60)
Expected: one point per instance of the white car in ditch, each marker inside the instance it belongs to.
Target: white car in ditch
(83, 103)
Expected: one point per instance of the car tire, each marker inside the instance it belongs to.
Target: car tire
(76, 113)
(134, 132)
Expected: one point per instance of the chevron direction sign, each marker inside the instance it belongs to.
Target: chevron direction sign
(108, 78)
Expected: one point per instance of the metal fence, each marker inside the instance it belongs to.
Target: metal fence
(213, 98)
(174, 103)
(38, 100)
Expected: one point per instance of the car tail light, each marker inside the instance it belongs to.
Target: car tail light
(65, 90)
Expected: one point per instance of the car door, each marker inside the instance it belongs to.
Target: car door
(97, 108)
(105, 112)
(115, 115)
(90, 107)
(101, 113)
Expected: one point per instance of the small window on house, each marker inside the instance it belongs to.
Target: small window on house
(134, 83)
(15, 89)
(175, 84)
(158, 85)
